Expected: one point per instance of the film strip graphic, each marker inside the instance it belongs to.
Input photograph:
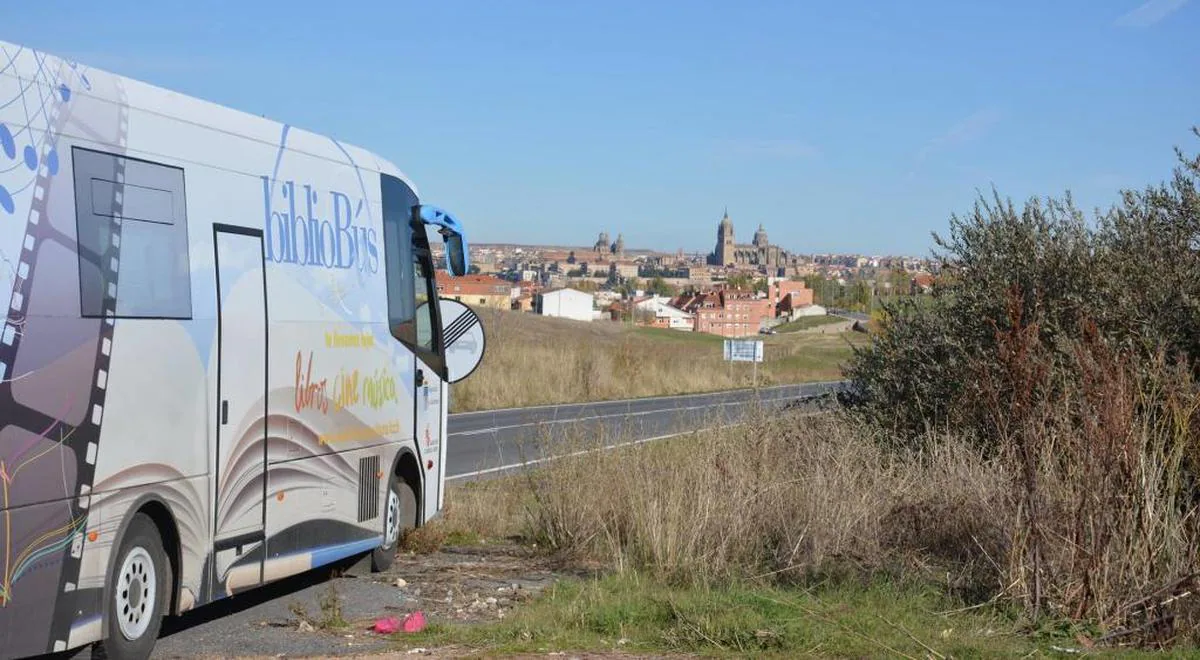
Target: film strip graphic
(86, 468)
(84, 439)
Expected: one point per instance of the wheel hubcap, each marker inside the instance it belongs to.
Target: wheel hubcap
(392, 530)
(135, 593)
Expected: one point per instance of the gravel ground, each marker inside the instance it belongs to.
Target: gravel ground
(464, 584)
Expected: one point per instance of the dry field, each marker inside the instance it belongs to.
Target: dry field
(533, 360)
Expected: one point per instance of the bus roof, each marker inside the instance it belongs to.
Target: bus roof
(34, 66)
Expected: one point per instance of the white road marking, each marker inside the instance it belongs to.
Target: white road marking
(494, 429)
(648, 398)
(551, 458)
(546, 459)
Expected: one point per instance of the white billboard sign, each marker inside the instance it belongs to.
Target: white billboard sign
(743, 350)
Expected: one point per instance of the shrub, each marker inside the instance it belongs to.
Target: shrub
(1069, 356)
(1135, 276)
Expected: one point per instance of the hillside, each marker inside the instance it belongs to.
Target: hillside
(533, 360)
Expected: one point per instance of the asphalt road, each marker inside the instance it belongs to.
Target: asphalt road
(495, 441)
(854, 316)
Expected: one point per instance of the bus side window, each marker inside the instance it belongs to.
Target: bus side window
(422, 286)
(408, 267)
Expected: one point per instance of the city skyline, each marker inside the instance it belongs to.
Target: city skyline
(586, 247)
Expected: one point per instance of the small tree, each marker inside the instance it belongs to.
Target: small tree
(629, 286)
(738, 281)
(659, 287)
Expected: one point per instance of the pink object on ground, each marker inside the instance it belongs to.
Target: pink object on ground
(414, 622)
(386, 626)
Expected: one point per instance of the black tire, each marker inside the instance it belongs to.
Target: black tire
(383, 556)
(140, 553)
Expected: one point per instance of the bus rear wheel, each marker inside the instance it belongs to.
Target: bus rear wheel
(399, 514)
(137, 593)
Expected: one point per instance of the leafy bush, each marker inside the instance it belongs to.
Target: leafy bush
(1135, 275)
(1069, 354)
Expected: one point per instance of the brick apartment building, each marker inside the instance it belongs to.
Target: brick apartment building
(788, 297)
(729, 313)
(476, 290)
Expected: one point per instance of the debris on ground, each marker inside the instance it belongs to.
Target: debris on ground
(386, 626)
(413, 623)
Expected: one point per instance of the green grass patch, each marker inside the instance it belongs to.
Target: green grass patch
(635, 614)
(807, 322)
(663, 334)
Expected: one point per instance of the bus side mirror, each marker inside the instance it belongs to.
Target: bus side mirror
(452, 234)
(456, 254)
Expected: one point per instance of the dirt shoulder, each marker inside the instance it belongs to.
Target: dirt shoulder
(332, 617)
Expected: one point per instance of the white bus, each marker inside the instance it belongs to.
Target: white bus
(219, 364)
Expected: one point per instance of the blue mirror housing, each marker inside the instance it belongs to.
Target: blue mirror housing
(453, 235)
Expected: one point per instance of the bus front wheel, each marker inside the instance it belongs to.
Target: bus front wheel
(137, 592)
(399, 514)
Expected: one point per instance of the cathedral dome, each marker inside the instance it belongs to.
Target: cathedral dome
(760, 237)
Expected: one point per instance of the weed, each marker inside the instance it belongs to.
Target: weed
(330, 605)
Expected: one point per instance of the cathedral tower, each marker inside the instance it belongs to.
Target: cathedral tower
(725, 253)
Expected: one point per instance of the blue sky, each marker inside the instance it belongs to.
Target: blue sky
(841, 126)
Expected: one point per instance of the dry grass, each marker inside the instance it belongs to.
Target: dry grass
(787, 497)
(477, 511)
(533, 360)
(1111, 542)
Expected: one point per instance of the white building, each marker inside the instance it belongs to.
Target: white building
(666, 316)
(565, 303)
(605, 298)
(809, 310)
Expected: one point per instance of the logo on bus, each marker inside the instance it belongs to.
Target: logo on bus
(310, 228)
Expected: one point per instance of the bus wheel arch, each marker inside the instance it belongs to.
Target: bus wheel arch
(401, 503)
(408, 470)
(168, 532)
(139, 583)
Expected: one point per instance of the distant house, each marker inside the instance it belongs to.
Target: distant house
(656, 311)
(606, 298)
(669, 317)
(806, 310)
(921, 283)
(729, 313)
(523, 303)
(788, 296)
(623, 269)
(565, 303)
(476, 290)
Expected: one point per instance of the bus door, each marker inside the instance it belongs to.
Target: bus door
(239, 537)
(427, 385)
(429, 435)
